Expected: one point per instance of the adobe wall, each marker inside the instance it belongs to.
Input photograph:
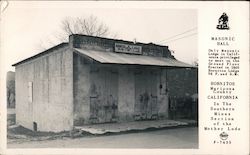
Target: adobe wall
(51, 76)
(81, 85)
(162, 93)
(99, 81)
(108, 45)
(126, 93)
(127, 90)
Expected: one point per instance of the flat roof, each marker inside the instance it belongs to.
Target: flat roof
(120, 58)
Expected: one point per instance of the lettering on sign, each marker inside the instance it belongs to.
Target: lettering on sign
(125, 48)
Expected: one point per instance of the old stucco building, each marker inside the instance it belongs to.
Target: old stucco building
(99, 80)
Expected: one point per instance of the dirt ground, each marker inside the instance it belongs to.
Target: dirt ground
(20, 137)
(182, 138)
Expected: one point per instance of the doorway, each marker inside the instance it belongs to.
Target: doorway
(103, 95)
(146, 94)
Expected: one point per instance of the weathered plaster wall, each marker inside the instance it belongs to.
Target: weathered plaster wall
(103, 93)
(126, 93)
(24, 109)
(162, 94)
(97, 82)
(81, 78)
(151, 78)
(52, 80)
(107, 45)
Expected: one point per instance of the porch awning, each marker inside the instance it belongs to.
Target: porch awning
(120, 58)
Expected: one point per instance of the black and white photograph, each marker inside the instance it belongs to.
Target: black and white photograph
(88, 76)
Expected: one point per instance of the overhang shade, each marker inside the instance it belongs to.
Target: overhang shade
(120, 58)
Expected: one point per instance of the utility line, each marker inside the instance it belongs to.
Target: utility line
(180, 38)
(177, 35)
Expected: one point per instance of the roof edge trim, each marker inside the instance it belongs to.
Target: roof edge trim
(41, 53)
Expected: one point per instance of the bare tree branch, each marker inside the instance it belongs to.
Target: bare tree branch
(81, 25)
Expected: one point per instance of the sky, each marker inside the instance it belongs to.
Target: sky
(25, 25)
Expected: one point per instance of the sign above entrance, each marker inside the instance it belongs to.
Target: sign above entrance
(125, 48)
